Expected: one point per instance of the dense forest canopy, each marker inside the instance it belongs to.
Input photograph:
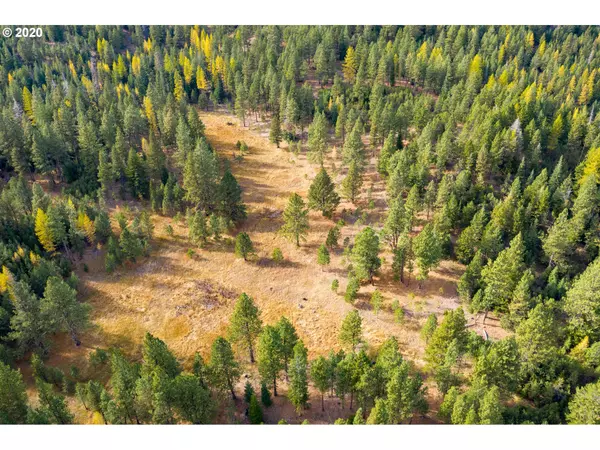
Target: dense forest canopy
(488, 139)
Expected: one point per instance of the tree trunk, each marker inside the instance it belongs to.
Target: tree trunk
(275, 386)
(322, 402)
(251, 353)
(351, 398)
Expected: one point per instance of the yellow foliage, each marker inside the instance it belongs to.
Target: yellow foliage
(10, 78)
(201, 79)
(592, 164)
(148, 45)
(86, 226)
(350, 65)
(42, 231)
(4, 279)
(150, 114)
(72, 69)
(27, 103)
(136, 64)
(188, 70)
(34, 258)
(578, 352)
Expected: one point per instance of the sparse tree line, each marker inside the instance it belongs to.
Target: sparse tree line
(487, 139)
(158, 390)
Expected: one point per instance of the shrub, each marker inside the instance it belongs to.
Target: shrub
(335, 284)
(277, 255)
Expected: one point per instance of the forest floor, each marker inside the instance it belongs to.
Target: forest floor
(187, 301)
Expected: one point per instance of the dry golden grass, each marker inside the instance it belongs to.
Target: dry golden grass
(188, 301)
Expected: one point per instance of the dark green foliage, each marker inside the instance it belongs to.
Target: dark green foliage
(321, 195)
(243, 245)
(255, 413)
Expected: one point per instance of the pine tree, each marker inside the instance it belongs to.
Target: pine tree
(490, 410)
(323, 256)
(229, 194)
(248, 391)
(429, 327)
(560, 244)
(333, 235)
(321, 194)
(295, 218)
(13, 397)
(405, 395)
(584, 408)
(376, 300)
(428, 252)
(275, 131)
(289, 338)
(379, 414)
(298, 388)
(265, 395)
(352, 289)
(581, 303)
(198, 231)
(224, 368)
(53, 405)
(60, 307)
(317, 139)
(245, 324)
(351, 330)
(501, 277)
(451, 328)
(270, 355)
(319, 374)
(255, 413)
(130, 245)
(191, 400)
(352, 184)
(243, 245)
(365, 254)
(29, 328)
(394, 223)
(403, 256)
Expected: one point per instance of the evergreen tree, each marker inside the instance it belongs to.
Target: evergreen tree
(243, 246)
(352, 183)
(265, 395)
(198, 231)
(351, 330)
(275, 131)
(255, 413)
(319, 373)
(270, 355)
(245, 324)
(501, 277)
(321, 195)
(428, 251)
(13, 397)
(323, 256)
(365, 254)
(223, 367)
(394, 223)
(298, 388)
(584, 407)
(289, 338)
(317, 139)
(60, 307)
(229, 194)
(376, 301)
(581, 303)
(295, 218)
